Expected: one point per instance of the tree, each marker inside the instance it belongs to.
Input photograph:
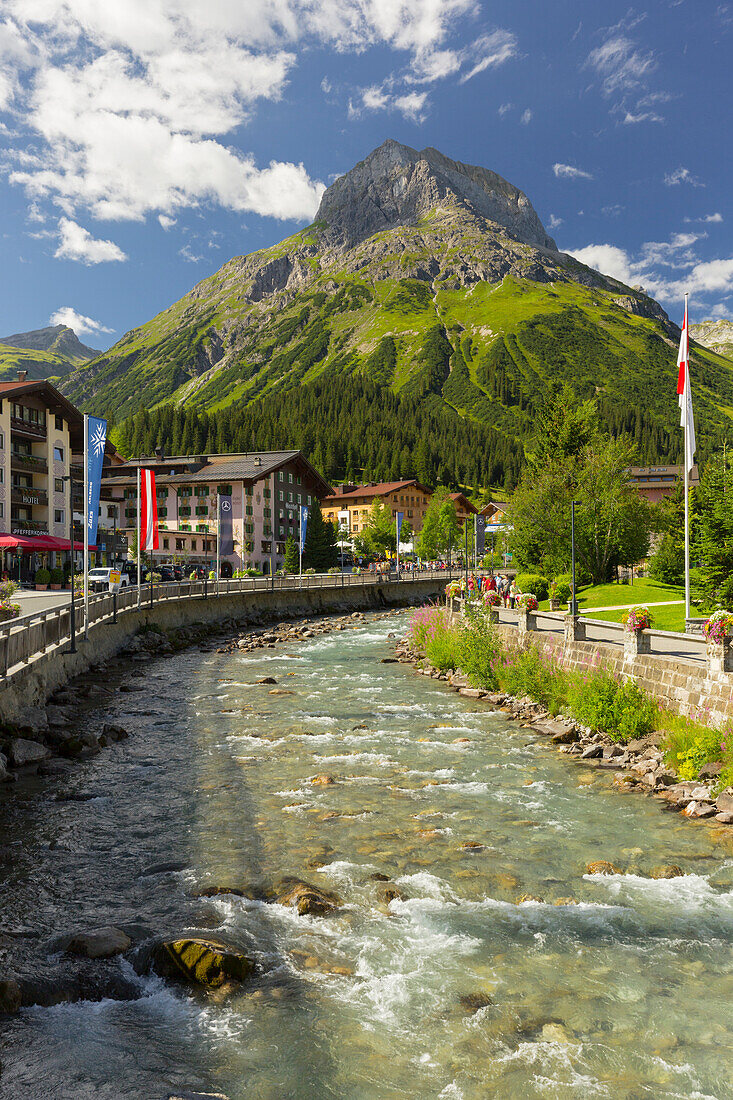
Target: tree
(292, 558)
(711, 537)
(441, 530)
(379, 533)
(406, 532)
(319, 551)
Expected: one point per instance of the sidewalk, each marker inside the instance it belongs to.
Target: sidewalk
(626, 606)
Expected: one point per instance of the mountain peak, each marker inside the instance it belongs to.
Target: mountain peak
(56, 339)
(397, 185)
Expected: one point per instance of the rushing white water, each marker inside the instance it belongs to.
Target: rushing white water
(596, 987)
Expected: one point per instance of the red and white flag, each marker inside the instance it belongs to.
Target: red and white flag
(684, 394)
(148, 511)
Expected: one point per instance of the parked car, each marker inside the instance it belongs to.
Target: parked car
(100, 580)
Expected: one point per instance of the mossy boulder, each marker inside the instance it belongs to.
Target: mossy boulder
(602, 867)
(199, 960)
(308, 900)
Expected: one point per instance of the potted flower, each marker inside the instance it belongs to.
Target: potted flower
(527, 601)
(7, 589)
(718, 627)
(453, 589)
(43, 576)
(9, 610)
(491, 599)
(636, 619)
(57, 579)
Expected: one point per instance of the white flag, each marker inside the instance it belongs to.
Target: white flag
(684, 394)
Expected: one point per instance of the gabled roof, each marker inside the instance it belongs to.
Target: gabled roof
(238, 467)
(53, 400)
(381, 489)
(461, 498)
(492, 507)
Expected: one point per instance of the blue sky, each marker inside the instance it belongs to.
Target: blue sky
(145, 142)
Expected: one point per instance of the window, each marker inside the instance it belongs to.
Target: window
(59, 423)
(2, 510)
(248, 509)
(165, 543)
(130, 513)
(58, 454)
(184, 510)
(266, 494)
(58, 485)
(111, 511)
(2, 439)
(184, 491)
(290, 478)
(299, 500)
(58, 515)
(282, 495)
(201, 491)
(290, 498)
(224, 490)
(266, 513)
(309, 498)
(202, 510)
(129, 494)
(180, 543)
(161, 491)
(193, 544)
(163, 513)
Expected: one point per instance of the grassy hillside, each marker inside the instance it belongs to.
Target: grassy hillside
(39, 364)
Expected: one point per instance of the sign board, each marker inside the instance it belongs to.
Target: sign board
(115, 579)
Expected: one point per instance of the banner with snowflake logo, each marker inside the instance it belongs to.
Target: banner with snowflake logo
(96, 439)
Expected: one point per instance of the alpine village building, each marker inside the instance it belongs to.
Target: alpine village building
(349, 505)
(267, 489)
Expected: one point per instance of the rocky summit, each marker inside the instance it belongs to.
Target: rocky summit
(428, 277)
(44, 352)
(716, 335)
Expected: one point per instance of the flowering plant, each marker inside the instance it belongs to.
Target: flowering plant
(636, 618)
(453, 589)
(527, 601)
(10, 610)
(719, 626)
(7, 588)
(492, 599)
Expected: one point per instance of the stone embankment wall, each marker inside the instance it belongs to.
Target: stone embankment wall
(30, 686)
(682, 686)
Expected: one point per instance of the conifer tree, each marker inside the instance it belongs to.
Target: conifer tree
(292, 559)
(319, 552)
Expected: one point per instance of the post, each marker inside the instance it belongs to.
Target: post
(72, 609)
(114, 606)
(465, 556)
(574, 597)
(300, 546)
(86, 524)
(218, 544)
(114, 535)
(137, 538)
(397, 530)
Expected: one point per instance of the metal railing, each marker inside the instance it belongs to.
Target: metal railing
(24, 639)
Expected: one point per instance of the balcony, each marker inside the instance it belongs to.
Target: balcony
(28, 527)
(24, 427)
(26, 497)
(29, 463)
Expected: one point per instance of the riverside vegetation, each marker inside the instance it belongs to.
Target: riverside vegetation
(608, 710)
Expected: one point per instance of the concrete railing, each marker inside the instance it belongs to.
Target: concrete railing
(582, 628)
(24, 639)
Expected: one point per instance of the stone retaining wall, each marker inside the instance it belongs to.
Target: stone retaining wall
(29, 686)
(681, 686)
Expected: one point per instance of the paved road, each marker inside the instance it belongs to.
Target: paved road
(31, 601)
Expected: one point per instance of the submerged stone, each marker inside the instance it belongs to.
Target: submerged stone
(199, 960)
(306, 899)
(602, 867)
(102, 943)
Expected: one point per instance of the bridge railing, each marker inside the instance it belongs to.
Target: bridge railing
(25, 638)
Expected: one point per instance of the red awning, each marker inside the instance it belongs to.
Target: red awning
(31, 543)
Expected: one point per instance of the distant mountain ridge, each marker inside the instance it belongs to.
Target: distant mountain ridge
(716, 335)
(50, 352)
(430, 277)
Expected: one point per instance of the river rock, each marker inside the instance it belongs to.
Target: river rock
(602, 867)
(195, 1096)
(267, 680)
(724, 803)
(200, 960)
(590, 752)
(306, 899)
(24, 753)
(667, 870)
(10, 997)
(113, 732)
(699, 809)
(710, 771)
(322, 780)
(102, 943)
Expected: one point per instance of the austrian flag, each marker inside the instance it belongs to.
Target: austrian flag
(148, 511)
(684, 394)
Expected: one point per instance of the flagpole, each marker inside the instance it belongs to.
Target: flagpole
(687, 484)
(139, 552)
(86, 526)
(300, 545)
(397, 527)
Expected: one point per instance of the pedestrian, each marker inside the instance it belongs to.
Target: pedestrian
(513, 593)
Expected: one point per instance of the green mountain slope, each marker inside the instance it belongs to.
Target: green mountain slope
(436, 280)
(45, 353)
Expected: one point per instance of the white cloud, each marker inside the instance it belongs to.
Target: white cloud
(35, 214)
(554, 222)
(189, 255)
(606, 258)
(488, 52)
(166, 221)
(77, 243)
(82, 325)
(526, 117)
(708, 219)
(620, 64)
(410, 104)
(682, 175)
(504, 109)
(568, 172)
(631, 119)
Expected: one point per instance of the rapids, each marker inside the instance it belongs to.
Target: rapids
(615, 987)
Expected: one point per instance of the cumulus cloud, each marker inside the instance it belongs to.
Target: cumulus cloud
(606, 258)
(77, 243)
(79, 322)
(682, 175)
(568, 172)
(166, 221)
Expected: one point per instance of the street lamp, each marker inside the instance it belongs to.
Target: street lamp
(72, 611)
(574, 597)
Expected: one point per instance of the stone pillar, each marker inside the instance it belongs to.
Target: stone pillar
(574, 629)
(719, 657)
(523, 623)
(636, 643)
(492, 613)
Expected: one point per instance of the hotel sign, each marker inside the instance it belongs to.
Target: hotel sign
(31, 498)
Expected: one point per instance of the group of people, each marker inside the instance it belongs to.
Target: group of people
(505, 587)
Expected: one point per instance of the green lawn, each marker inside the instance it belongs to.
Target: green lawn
(663, 618)
(642, 591)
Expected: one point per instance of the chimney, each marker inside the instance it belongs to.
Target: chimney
(22, 375)
(258, 462)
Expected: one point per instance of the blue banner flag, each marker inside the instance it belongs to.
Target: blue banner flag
(95, 441)
(303, 526)
(400, 517)
(226, 535)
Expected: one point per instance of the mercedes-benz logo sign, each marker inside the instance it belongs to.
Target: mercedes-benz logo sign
(226, 506)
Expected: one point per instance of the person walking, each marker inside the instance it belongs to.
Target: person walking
(513, 593)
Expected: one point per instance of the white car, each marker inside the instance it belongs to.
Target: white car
(107, 580)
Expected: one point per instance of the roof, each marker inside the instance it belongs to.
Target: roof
(381, 489)
(53, 399)
(664, 471)
(493, 506)
(238, 467)
(465, 501)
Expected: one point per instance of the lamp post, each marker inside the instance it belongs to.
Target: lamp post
(72, 610)
(574, 598)
(465, 556)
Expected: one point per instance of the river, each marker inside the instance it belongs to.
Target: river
(454, 990)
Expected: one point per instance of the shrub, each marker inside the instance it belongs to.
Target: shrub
(690, 744)
(309, 572)
(424, 622)
(535, 672)
(7, 589)
(619, 708)
(212, 574)
(43, 576)
(533, 582)
(57, 576)
(10, 610)
(561, 590)
(477, 650)
(440, 650)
